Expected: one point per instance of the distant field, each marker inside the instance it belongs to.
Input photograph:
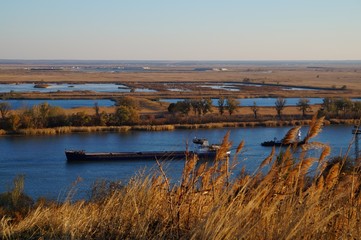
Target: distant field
(343, 80)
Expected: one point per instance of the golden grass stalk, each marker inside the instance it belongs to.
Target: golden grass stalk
(225, 147)
(325, 152)
(268, 159)
(315, 128)
(332, 176)
(291, 135)
(240, 147)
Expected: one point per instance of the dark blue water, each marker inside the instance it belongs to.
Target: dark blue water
(64, 103)
(42, 160)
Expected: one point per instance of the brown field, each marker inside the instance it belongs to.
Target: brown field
(336, 81)
(329, 81)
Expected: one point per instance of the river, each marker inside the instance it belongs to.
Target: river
(42, 160)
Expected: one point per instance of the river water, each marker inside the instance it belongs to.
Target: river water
(42, 160)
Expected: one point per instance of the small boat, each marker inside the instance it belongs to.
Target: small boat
(278, 143)
(41, 85)
(204, 152)
(272, 143)
(199, 140)
(282, 142)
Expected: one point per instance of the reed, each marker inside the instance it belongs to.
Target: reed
(153, 128)
(65, 130)
(283, 199)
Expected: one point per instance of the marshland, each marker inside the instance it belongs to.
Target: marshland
(244, 196)
(274, 86)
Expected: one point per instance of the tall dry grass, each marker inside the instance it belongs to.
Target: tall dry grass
(289, 197)
(64, 130)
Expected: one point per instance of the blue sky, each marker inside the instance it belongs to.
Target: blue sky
(181, 30)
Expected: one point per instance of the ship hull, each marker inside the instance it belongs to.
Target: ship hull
(81, 156)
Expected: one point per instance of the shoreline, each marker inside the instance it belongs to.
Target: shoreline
(170, 127)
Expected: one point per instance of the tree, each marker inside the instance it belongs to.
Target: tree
(14, 122)
(184, 106)
(128, 102)
(280, 105)
(304, 105)
(328, 104)
(100, 118)
(4, 109)
(172, 108)
(232, 104)
(180, 106)
(44, 110)
(343, 104)
(221, 105)
(196, 106)
(356, 109)
(27, 120)
(57, 117)
(80, 119)
(125, 115)
(206, 105)
(255, 109)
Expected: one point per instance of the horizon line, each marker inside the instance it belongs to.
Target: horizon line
(183, 60)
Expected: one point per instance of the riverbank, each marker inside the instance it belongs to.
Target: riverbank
(170, 127)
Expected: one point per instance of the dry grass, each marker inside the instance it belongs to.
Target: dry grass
(332, 77)
(64, 130)
(168, 127)
(286, 198)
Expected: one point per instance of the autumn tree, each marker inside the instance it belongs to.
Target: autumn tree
(280, 105)
(180, 106)
(14, 122)
(304, 105)
(254, 109)
(206, 105)
(232, 104)
(196, 106)
(80, 119)
(221, 105)
(126, 115)
(4, 109)
(128, 102)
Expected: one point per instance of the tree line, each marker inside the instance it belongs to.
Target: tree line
(331, 107)
(47, 116)
(127, 112)
(341, 107)
(203, 106)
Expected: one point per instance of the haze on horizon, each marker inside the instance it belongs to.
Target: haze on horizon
(180, 30)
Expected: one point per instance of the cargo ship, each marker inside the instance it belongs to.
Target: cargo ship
(204, 151)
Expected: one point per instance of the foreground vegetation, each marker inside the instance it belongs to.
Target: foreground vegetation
(290, 196)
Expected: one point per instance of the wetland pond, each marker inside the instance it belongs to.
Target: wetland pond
(52, 87)
(75, 103)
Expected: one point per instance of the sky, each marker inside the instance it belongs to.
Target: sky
(180, 29)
